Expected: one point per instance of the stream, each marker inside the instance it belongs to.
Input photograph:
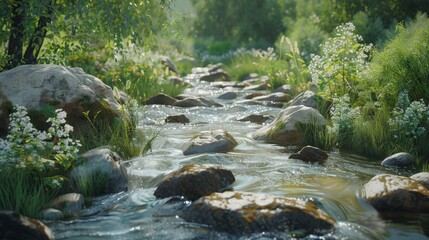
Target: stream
(335, 187)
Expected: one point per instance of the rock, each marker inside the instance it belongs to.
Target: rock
(262, 103)
(422, 178)
(227, 85)
(274, 97)
(253, 95)
(228, 96)
(46, 86)
(214, 67)
(256, 81)
(178, 81)
(168, 63)
(401, 159)
(245, 212)
(103, 171)
(258, 87)
(287, 89)
(69, 204)
(14, 226)
(285, 130)
(256, 118)
(177, 119)
(52, 214)
(161, 99)
(196, 102)
(215, 76)
(386, 192)
(210, 142)
(310, 99)
(310, 154)
(194, 181)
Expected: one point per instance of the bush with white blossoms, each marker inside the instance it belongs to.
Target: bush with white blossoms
(343, 115)
(409, 118)
(31, 149)
(342, 62)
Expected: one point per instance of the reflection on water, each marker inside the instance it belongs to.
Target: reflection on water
(335, 187)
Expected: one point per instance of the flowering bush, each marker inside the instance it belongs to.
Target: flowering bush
(342, 61)
(343, 115)
(26, 147)
(409, 118)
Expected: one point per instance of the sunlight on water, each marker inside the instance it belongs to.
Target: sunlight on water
(335, 186)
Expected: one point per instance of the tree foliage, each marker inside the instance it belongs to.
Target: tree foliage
(28, 24)
(242, 20)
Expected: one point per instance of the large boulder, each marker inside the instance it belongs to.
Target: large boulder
(386, 192)
(194, 181)
(100, 169)
(41, 88)
(310, 154)
(285, 130)
(401, 159)
(245, 212)
(210, 142)
(14, 226)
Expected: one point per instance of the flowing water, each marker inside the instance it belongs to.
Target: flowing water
(335, 187)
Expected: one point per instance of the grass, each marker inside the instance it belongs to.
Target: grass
(94, 185)
(23, 193)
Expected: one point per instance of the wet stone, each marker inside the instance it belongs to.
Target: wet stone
(422, 177)
(210, 142)
(256, 118)
(161, 99)
(194, 181)
(14, 226)
(228, 96)
(196, 102)
(245, 212)
(310, 154)
(401, 159)
(386, 192)
(177, 119)
(69, 204)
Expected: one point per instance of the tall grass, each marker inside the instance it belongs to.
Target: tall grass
(23, 193)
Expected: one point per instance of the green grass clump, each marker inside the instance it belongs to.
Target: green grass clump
(24, 193)
(402, 65)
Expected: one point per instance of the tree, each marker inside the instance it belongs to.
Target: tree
(27, 24)
(241, 20)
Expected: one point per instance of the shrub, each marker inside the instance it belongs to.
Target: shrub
(402, 65)
(338, 69)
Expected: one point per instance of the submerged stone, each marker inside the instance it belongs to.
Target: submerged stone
(245, 212)
(386, 192)
(194, 181)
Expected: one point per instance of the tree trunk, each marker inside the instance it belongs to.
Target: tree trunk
(36, 41)
(14, 50)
